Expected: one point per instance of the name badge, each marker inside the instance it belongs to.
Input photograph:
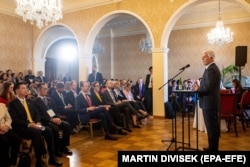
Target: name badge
(51, 113)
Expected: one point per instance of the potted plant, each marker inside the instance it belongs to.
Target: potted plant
(231, 69)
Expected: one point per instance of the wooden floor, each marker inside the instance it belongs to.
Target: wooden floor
(103, 153)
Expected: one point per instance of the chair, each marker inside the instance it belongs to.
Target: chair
(241, 112)
(225, 91)
(227, 109)
(89, 125)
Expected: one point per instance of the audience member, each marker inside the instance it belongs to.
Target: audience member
(9, 141)
(87, 111)
(49, 117)
(65, 108)
(27, 124)
(7, 94)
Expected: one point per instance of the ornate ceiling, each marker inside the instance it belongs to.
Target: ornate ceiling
(205, 14)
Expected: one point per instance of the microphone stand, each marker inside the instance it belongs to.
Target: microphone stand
(173, 139)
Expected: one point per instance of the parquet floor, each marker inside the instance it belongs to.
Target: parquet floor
(102, 153)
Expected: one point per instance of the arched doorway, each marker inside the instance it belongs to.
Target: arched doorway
(58, 49)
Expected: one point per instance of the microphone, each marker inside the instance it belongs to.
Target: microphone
(183, 68)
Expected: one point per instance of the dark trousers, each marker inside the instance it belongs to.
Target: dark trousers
(101, 113)
(9, 142)
(124, 109)
(116, 115)
(49, 137)
(36, 136)
(71, 117)
(60, 141)
(211, 119)
(149, 100)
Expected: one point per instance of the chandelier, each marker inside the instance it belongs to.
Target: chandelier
(145, 44)
(219, 35)
(40, 11)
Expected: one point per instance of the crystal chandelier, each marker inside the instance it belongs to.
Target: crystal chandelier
(145, 44)
(40, 11)
(219, 35)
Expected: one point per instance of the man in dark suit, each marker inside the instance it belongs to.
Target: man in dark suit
(86, 110)
(26, 123)
(95, 76)
(64, 108)
(29, 77)
(209, 97)
(71, 95)
(110, 98)
(139, 90)
(49, 117)
(40, 77)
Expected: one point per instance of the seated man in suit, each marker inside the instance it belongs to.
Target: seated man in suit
(110, 98)
(49, 117)
(71, 94)
(86, 110)
(97, 100)
(64, 108)
(27, 124)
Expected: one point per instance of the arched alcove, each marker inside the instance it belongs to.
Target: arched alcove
(49, 49)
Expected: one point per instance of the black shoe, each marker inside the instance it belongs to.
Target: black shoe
(128, 129)
(59, 154)
(54, 161)
(109, 137)
(67, 151)
(116, 126)
(120, 132)
(136, 126)
(41, 163)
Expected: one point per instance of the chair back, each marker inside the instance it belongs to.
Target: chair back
(227, 104)
(225, 91)
(245, 100)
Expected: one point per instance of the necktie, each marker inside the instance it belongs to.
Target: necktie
(27, 111)
(61, 96)
(140, 86)
(45, 102)
(99, 97)
(88, 100)
(112, 96)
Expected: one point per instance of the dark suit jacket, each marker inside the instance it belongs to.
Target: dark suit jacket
(209, 90)
(58, 101)
(95, 100)
(28, 77)
(81, 106)
(136, 91)
(70, 98)
(147, 81)
(107, 99)
(42, 109)
(43, 79)
(19, 116)
(99, 78)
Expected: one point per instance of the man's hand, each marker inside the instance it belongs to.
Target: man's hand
(57, 121)
(4, 129)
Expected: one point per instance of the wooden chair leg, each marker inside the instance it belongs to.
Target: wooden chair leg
(91, 130)
(235, 127)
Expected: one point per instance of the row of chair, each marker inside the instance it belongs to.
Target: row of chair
(230, 112)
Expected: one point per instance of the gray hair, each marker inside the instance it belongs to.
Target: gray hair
(210, 54)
